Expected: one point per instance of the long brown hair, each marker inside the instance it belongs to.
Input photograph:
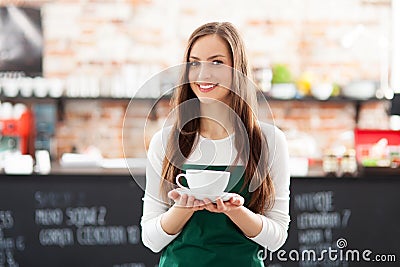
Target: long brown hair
(183, 135)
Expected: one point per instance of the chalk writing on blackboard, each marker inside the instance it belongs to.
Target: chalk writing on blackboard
(317, 219)
(9, 244)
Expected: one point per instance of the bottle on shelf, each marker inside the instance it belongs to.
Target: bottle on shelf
(330, 164)
(348, 164)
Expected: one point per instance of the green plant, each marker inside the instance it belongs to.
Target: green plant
(281, 74)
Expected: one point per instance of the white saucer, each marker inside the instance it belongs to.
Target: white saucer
(225, 196)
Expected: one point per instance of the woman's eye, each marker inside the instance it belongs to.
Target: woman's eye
(194, 64)
(217, 62)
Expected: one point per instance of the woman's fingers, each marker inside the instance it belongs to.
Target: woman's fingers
(220, 205)
(198, 204)
(174, 195)
(237, 200)
(186, 201)
(209, 205)
(190, 201)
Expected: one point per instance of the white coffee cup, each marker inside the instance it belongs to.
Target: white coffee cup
(207, 182)
(26, 86)
(40, 87)
(10, 87)
(43, 164)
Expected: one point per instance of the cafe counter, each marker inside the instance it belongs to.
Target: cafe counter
(91, 217)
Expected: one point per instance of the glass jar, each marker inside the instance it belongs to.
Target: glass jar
(348, 164)
(330, 164)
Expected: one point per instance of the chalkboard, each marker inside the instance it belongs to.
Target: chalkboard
(87, 220)
(71, 221)
(345, 215)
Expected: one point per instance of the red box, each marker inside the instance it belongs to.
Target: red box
(367, 138)
(21, 128)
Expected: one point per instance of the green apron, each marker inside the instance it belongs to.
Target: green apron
(212, 239)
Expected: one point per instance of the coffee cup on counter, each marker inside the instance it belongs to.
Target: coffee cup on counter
(18, 164)
(43, 164)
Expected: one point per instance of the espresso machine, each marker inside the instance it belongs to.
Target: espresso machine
(15, 133)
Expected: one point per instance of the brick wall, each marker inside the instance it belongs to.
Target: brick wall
(311, 127)
(341, 40)
(91, 123)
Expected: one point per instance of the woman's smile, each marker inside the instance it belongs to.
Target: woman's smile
(206, 87)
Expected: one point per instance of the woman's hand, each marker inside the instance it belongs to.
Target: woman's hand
(175, 218)
(186, 201)
(223, 207)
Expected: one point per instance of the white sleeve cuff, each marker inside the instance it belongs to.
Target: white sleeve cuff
(272, 235)
(162, 233)
(154, 237)
(260, 238)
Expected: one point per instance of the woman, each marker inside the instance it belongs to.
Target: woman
(214, 121)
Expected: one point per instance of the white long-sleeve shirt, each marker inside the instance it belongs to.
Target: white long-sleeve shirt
(218, 152)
